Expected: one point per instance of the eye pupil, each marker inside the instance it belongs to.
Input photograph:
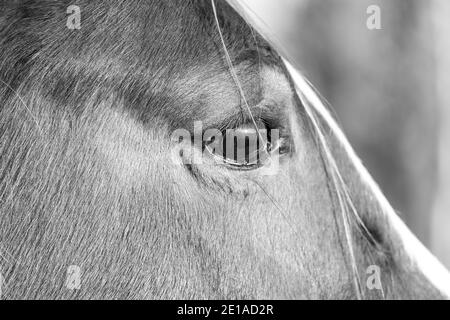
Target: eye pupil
(236, 150)
(247, 150)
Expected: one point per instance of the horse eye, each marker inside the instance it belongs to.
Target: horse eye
(245, 147)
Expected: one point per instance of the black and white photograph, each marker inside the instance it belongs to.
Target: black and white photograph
(245, 152)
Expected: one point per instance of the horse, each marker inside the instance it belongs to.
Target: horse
(97, 201)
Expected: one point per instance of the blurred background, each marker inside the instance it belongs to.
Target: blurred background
(390, 88)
